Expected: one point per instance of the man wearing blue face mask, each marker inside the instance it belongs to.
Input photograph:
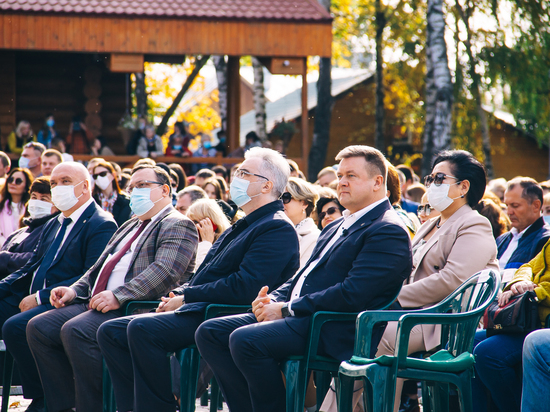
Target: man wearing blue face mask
(260, 249)
(68, 246)
(31, 158)
(148, 256)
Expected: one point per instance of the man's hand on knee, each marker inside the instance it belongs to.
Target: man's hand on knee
(104, 302)
(62, 296)
(28, 303)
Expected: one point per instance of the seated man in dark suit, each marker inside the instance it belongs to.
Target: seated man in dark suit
(68, 246)
(260, 249)
(146, 258)
(359, 263)
(529, 233)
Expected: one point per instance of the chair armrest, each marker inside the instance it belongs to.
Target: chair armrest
(317, 321)
(133, 305)
(216, 310)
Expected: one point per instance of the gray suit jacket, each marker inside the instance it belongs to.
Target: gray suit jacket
(164, 258)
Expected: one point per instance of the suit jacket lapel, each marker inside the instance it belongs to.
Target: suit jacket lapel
(79, 224)
(323, 241)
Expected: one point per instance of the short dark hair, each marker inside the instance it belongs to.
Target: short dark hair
(531, 189)
(376, 162)
(41, 185)
(162, 176)
(53, 152)
(205, 174)
(221, 169)
(464, 166)
(38, 147)
(194, 192)
(323, 200)
(407, 171)
(182, 177)
(5, 159)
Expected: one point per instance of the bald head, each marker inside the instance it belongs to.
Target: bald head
(72, 174)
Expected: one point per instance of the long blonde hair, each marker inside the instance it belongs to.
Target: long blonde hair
(204, 208)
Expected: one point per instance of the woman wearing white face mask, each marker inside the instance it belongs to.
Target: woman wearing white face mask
(19, 245)
(107, 193)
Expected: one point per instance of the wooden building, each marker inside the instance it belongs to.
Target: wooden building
(71, 57)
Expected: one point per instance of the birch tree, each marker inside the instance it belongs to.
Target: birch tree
(221, 75)
(259, 98)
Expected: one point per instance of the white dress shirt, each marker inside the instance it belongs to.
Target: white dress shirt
(512, 246)
(348, 220)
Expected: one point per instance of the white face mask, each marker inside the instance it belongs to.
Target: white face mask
(39, 208)
(103, 182)
(63, 197)
(438, 196)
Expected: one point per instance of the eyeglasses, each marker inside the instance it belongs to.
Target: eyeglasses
(100, 174)
(144, 184)
(286, 198)
(17, 181)
(174, 186)
(239, 173)
(425, 209)
(330, 211)
(437, 179)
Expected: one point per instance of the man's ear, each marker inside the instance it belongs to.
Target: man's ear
(267, 187)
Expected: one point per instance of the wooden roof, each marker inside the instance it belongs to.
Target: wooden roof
(271, 28)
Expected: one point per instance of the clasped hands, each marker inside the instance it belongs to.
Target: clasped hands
(264, 308)
(516, 289)
(102, 302)
(171, 303)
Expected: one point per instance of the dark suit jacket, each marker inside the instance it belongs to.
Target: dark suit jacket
(121, 209)
(163, 259)
(363, 270)
(260, 249)
(79, 252)
(529, 245)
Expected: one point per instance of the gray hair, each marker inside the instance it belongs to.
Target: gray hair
(194, 192)
(79, 167)
(531, 189)
(274, 166)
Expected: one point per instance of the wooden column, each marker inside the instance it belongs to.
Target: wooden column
(7, 95)
(305, 121)
(233, 102)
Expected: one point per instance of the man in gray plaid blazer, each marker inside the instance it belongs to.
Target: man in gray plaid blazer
(146, 258)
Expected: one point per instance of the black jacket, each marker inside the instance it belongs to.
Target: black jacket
(121, 209)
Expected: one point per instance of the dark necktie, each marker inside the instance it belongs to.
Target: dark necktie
(38, 281)
(108, 268)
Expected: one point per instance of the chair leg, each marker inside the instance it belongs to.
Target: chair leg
(426, 402)
(189, 361)
(6, 380)
(345, 393)
(322, 383)
(440, 396)
(465, 393)
(109, 403)
(214, 395)
(296, 382)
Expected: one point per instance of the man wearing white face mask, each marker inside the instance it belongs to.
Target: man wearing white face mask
(68, 246)
(146, 258)
(31, 158)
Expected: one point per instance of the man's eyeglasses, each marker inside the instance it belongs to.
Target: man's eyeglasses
(437, 179)
(17, 181)
(286, 198)
(330, 211)
(144, 184)
(100, 174)
(425, 209)
(239, 173)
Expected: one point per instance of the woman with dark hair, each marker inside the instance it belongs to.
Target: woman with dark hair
(178, 142)
(213, 189)
(19, 246)
(394, 196)
(13, 197)
(182, 177)
(500, 222)
(328, 207)
(107, 192)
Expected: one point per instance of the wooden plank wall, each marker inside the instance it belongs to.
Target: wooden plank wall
(7, 95)
(164, 36)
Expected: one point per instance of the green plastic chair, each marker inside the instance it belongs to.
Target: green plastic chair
(296, 368)
(459, 314)
(6, 376)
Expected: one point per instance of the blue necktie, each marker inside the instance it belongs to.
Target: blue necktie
(38, 281)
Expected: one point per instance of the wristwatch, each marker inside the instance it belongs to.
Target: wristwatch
(284, 311)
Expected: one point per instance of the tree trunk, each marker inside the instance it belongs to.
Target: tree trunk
(379, 141)
(259, 98)
(141, 95)
(439, 88)
(199, 63)
(221, 75)
(476, 93)
(321, 125)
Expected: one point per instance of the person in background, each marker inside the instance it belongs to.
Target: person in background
(294, 168)
(328, 208)
(18, 248)
(188, 196)
(223, 187)
(79, 140)
(205, 150)
(50, 159)
(202, 175)
(150, 145)
(498, 219)
(546, 208)
(407, 205)
(498, 187)
(124, 181)
(299, 202)
(31, 158)
(48, 132)
(251, 140)
(178, 143)
(59, 145)
(99, 148)
(545, 185)
(326, 176)
(213, 189)
(117, 168)
(5, 165)
(13, 198)
(394, 196)
(415, 192)
(18, 138)
(425, 211)
(221, 171)
(182, 177)
(131, 147)
(108, 195)
(221, 147)
(210, 221)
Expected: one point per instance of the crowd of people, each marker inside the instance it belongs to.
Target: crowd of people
(80, 241)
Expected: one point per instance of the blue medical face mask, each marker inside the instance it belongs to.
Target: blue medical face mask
(25, 163)
(546, 219)
(50, 122)
(207, 145)
(239, 191)
(140, 201)
(176, 147)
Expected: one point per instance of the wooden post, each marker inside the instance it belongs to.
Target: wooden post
(305, 120)
(8, 93)
(233, 102)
